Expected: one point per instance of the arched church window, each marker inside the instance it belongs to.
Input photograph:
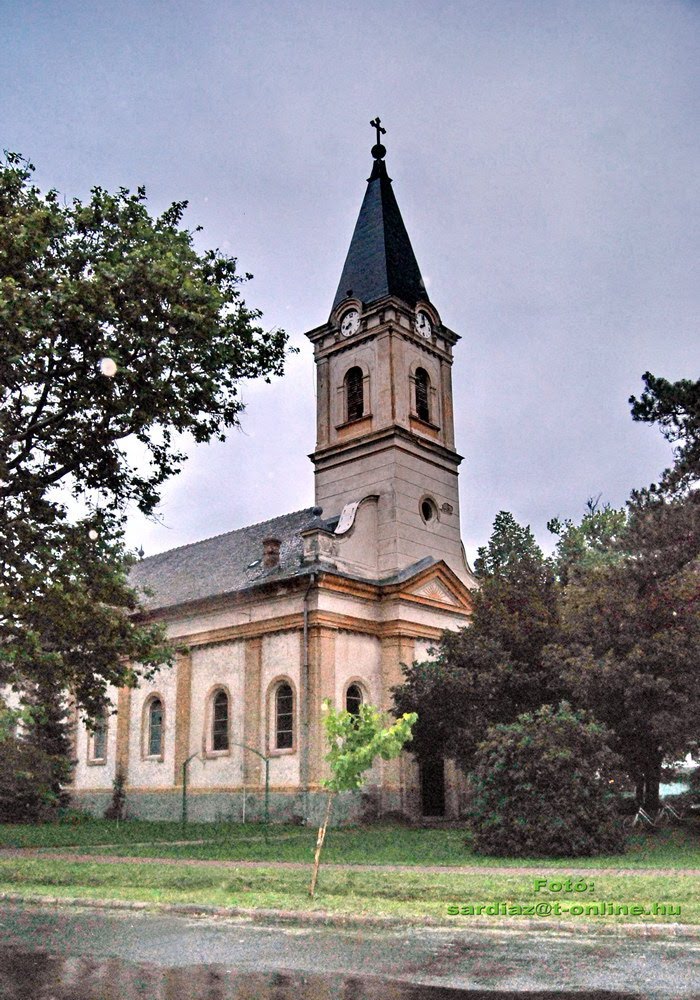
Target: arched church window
(284, 717)
(354, 393)
(155, 728)
(219, 722)
(98, 739)
(423, 394)
(353, 699)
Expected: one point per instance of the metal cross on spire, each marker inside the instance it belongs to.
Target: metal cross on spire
(378, 150)
(377, 123)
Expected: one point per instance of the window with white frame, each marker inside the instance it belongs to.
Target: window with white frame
(220, 721)
(284, 717)
(353, 699)
(154, 728)
(98, 740)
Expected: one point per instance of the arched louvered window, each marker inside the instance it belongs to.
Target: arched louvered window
(219, 721)
(423, 394)
(353, 699)
(354, 393)
(155, 728)
(284, 717)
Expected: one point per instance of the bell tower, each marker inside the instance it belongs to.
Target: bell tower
(385, 425)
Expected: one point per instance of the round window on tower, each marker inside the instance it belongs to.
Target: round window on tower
(428, 509)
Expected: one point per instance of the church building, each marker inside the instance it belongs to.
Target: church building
(325, 602)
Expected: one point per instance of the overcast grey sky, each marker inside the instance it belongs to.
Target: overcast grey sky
(544, 156)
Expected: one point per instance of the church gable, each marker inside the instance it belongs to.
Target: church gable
(439, 586)
(435, 590)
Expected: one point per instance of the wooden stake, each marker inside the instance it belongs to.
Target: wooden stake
(319, 844)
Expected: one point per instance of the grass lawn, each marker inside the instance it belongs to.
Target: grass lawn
(86, 832)
(345, 891)
(677, 847)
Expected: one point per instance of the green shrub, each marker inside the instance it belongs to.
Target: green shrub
(626, 803)
(541, 788)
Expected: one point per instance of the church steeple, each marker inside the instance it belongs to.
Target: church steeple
(385, 428)
(380, 260)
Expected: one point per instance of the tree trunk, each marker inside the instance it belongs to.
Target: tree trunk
(319, 844)
(652, 780)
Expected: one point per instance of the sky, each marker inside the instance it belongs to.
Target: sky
(544, 156)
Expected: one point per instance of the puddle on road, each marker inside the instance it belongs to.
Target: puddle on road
(38, 976)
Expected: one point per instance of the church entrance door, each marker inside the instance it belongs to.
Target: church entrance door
(432, 787)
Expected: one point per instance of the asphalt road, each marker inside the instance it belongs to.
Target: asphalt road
(85, 954)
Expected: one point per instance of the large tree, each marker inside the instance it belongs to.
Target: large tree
(630, 636)
(631, 602)
(117, 337)
(114, 329)
(612, 622)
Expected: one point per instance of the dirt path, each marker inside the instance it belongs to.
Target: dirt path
(106, 859)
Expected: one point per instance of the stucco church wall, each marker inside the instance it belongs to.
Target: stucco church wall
(272, 606)
(221, 665)
(358, 660)
(423, 614)
(280, 660)
(422, 649)
(145, 772)
(342, 604)
(97, 775)
(365, 358)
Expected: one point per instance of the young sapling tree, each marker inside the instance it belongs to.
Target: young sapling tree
(355, 740)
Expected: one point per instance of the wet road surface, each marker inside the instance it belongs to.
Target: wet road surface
(86, 954)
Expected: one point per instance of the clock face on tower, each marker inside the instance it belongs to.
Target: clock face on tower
(423, 325)
(350, 323)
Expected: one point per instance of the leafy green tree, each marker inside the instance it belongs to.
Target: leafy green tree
(355, 741)
(117, 337)
(70, 622)
(541, 787)
(114, 329)
(493, 669)
(590, 545)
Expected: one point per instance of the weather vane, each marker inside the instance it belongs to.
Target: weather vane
(378, 150)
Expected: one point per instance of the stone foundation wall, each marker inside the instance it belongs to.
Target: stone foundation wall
(212, 806)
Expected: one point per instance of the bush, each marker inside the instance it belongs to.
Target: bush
(26, 779)
(541, 788)
(626, 804)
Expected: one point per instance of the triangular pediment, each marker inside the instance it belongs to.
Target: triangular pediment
(435, 590)
(438, 585)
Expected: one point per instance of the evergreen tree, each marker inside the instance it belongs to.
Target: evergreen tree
(494, 669)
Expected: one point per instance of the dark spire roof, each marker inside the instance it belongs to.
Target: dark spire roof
(380, 260)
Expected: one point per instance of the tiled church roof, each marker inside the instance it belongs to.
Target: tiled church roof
(224, 563)
(380, 260)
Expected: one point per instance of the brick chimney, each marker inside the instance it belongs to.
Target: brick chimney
(271, 552)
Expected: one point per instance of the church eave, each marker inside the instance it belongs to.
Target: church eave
(386, 435)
